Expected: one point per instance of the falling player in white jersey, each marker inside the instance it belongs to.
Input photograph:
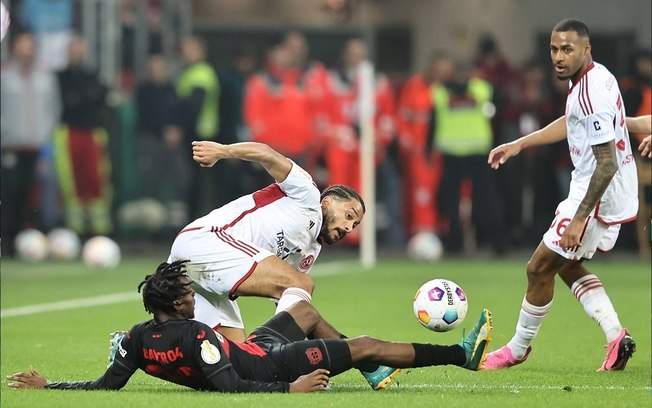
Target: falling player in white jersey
(603, 195)
(263, 244)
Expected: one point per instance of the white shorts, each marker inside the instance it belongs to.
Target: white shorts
(596, 236)
(218, 265)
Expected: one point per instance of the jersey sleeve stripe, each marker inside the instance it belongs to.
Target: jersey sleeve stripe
(588, 96)
(261, 198)
(581, 99)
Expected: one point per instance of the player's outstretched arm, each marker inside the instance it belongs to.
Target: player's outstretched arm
(208, 153)
(552, 133)
(646, 147)
(114, 378)
(639, 124)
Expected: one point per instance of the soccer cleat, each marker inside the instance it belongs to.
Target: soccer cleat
(503, 358)
(380, 378)
(619, 352)
(114, 345)
(475, 344)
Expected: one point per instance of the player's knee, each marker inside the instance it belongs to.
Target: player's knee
(303, 281)
(311, 314)
(538, 270)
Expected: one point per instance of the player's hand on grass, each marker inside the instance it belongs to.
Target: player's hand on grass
(208, 153)
(646, 147)
(315, 381)
(499, 155)
(30, 379)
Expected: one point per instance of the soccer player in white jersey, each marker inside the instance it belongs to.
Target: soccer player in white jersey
(263, 244)
(603, 195)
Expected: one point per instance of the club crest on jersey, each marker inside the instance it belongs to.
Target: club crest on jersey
(306, 262)
(209, 353)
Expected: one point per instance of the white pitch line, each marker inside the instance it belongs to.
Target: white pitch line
(70, 304)
(325, 269)
(512, 388)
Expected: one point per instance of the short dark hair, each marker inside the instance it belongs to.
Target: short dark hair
(343, 192)
(163, 287)
(572, 24)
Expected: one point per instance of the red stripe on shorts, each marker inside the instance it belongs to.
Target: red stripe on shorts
(235, 287)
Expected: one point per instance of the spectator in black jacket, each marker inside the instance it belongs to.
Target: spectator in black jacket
(161, 156)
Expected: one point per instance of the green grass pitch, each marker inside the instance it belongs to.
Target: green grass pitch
(72, 344)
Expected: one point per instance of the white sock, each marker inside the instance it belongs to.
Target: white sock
(291, 296)
(589, 291)
(529, 322)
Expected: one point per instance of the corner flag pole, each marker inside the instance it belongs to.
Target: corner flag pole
(366, 106)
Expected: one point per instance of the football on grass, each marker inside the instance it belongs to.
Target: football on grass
(101, 252)
(440, 305)
(31, 245)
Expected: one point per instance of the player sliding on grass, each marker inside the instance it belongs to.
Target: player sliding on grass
(275, 357)
(264, 244)
(603, 195)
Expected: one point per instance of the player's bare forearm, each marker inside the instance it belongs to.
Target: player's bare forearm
(605, 156)
(277, 165)
(639, 124)
(208, 153)
(554, 132)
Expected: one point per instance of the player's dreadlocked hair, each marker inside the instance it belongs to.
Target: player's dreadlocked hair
(342, 192)
(162, 288)
(572, 24)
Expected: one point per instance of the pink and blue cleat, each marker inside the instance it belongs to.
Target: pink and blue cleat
(503, 358)
(619, 352)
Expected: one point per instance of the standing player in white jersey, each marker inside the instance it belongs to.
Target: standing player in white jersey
(603, 195)
(263, 244)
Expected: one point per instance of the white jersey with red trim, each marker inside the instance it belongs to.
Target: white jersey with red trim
(595, 114)
(284, 218)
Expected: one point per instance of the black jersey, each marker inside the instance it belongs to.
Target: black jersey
(188, 353)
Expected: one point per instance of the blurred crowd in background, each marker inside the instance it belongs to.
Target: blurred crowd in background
(115, 158)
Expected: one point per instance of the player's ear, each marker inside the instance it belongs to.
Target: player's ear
(326, 201)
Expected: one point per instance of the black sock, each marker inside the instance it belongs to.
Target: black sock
(432, 355)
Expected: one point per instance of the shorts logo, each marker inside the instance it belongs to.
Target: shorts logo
(306, 262)
(122, 351)
(209, 353)
(314, 355)
(621, 145)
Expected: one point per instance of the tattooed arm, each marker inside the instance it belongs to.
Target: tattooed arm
(606, 167)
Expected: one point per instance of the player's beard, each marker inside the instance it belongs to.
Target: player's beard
(325, 233)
